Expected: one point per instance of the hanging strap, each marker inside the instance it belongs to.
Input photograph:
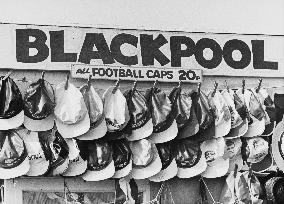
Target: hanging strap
(209, 192)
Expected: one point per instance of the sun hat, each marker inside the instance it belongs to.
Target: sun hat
(72, 118)
(115, 109)
(13, 155)
(214, 150)
(163, 117)
(11, 104)
(100, 161)
(189, 158)
(185, 113)
(140, 124)
(39, 103)
(94, 105)
(233, 152)
(39, 164)
(254, 149)
(169, 165)
(275, 190)
(278, 145)
(146, 160)
(77, 158)
(222, 114)
(122, 158)
(256, 113)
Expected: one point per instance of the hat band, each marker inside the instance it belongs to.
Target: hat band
(12, 163)
(164, 125)
(142, 121)
(10, 114)
(189, 161)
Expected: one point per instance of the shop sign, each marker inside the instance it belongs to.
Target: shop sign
(58, 47)
(137, 73)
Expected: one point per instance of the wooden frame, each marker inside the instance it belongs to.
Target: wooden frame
(14, 187)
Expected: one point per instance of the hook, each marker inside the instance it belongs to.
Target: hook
(179, 84)
(198, 87)
(67, 81)
(215, 89)
(243, 86)
(89, 82)
(42, 74)
(155, 83)
(235, 170)
(259, 85)
(116, 86)
(24, 79)
(226, 85)
(8, 74)
(134, 85)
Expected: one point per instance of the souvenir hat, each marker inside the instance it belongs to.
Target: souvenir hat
(205, 117)
(169, 165)
(39, 164)
(255, 149)
(94, 105)
(39, 103)
(122, 158)
(214, 150)
(257, 122)
(189, 158)
(165, 126)
(72, 118)
(100, 162)
(146, 160)
(140, 124)
(58, 152)
(266, 164)
(275, 190)
(242, 111)
(185, 113)
(13, 155)
(270, 111)
(278, 145)
(77, 158)
(222, 114)
(233, 153)
(11, 104)
(115, 109)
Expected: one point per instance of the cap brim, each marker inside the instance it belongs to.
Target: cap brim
(12, 123)
(222, 129)
(165, 136)
(150, 170)
(142, 132)
(20, 170)
(76, 168)
(73, 130)
(61, 168)
(275, 147)
(123, 172)
(269, 129)
(38, 167)
(263, 165)
(199, 168)
(235, 160)
(256, 128)
(217, 168)
(95, 133)
(103, 174)
(166, 174)
(238, 131)
(39, 125)
(73, 150)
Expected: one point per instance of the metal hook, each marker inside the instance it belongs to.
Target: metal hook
(89, 82)
(42, 74)
(67, 81)
(259, 85)
(243, 86)
(155, 83)
(8, 74)
(198, 87)
(179, 84)
(215, 89)
(116, 86)
(134, 85)
(226, 85)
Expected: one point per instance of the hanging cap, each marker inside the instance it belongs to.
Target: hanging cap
(100, 162)
(266, 164)
(140, 124)
(77, 159)
(39, 164)
(233, 152)
(146, 160)
(94, 105)
(275, 190)
(189, 157)
(169, 165)
(11, 104)
(256, 149)
(278, 145)
(72, 118)
(115, 109)
(185, 113)
(13, 155)
(256, 113)
(222, 114)
(122, 158)
(165, 126)
(214, 150)
(39, 103)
